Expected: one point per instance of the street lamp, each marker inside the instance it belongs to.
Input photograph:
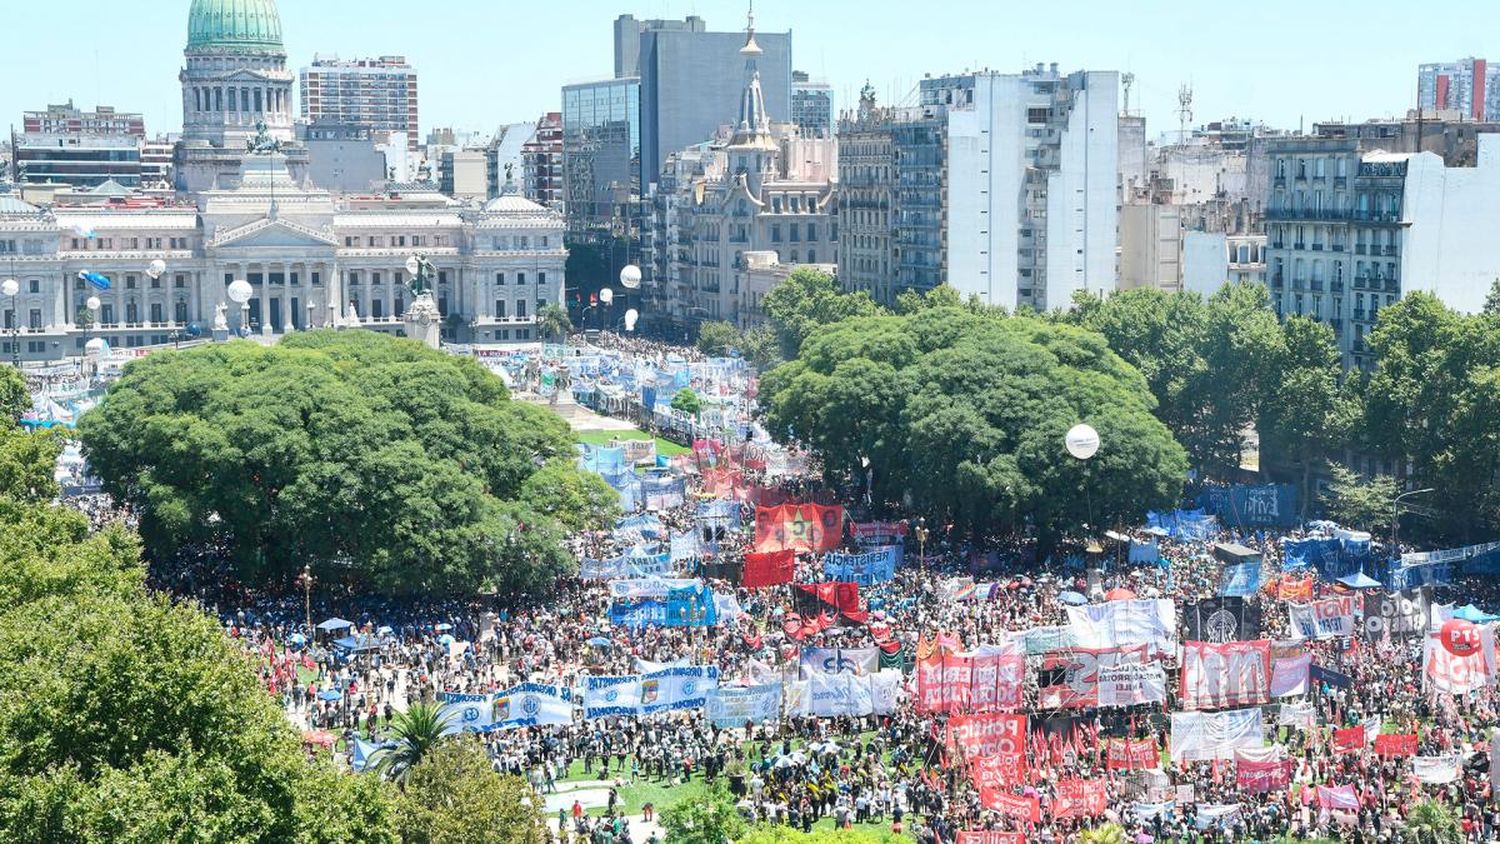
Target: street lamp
(10, 287)
(1396, 516)
(239, 292)
(922, 534)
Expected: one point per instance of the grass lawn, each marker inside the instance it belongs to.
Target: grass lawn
(663, 447)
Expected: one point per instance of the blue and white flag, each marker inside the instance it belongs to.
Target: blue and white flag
(732, 706)
(668, 690)
(99, 282)
(465, 713)
(531, 705)
(1240, 580)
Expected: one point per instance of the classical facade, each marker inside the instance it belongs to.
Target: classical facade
(312, 258)
(767, 190)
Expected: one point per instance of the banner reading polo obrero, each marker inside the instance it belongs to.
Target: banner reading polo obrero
(1221, 675)
(1399, 615)
(990, 734)
(1121, 624)
(805, 528)
(986, 679)
(668, 690)
(1331, 618)
(1079, 799)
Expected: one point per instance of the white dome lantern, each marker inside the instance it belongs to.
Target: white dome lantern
(630, 277)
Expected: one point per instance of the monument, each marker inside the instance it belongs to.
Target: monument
(424, 322)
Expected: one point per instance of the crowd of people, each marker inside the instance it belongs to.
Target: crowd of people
(896, 770)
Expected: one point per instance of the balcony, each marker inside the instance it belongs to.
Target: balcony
(1389, 251)
(1336, 247)
(1337, 325)
(1316, 285)
(1317, 247)
(1359, 314)
(1336, 287)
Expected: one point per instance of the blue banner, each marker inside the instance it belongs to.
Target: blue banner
(732, 706)
(662, 493)
(1184, 525)
(662, 602)
(866, 569)
(668, 690)
(1240, 580)
(1242, 505)
(532, 705)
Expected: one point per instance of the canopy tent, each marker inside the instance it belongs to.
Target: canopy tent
(1072, 599)
(1474, 614)
(1360, 580)
(335, 623)
(357, 644)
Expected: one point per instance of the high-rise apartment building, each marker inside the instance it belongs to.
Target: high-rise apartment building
(542, 162)
(601, 152)
(1031, 184)
(690, 86)
(1470, 87)
(628, 39)
(379, 94)
(66, 119)
(812, 106)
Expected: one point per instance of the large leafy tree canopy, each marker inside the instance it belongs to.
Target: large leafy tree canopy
(126, 718)
(454, 796)
(373, 458)
(806, 300)
(964, 412)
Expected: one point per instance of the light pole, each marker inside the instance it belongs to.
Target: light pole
(91, 305)
(1082, 441)
(307, 597)
(922, 534)
(10, 287)
(1396, 517)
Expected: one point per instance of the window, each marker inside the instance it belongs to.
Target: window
(158, 312)
(34, 285)
(520, 278)
(521, 308)
(499, 309)
(132, 313)
(34, 319)
(541, 279)
(500, 279)
(180, 313)
(317, 279)
(1036, 116)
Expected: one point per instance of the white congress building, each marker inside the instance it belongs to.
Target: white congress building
(312, 258)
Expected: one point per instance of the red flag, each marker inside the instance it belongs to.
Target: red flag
(810, 528)
(1392, 746)
(770, 568)
(1351, 740)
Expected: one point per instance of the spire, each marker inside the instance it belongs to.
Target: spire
(751, 49)
(754, 128)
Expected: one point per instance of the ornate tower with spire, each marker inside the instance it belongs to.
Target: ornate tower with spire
(752, 150)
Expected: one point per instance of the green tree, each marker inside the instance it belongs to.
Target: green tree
(1356, 503)
(377, 460)
(761, 348)
(687, 401)
(910, 301)
(1309, 414)
(453, 796)
(718, 339)
(578, 500)
(27, 463)
(15, 398)
(806, 300)
(1105, 833)
(709, 819)
(417, 733)
(552, 321)
(963, 413)
(1431, 822)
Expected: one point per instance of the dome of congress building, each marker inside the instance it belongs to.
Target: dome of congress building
(234, 25)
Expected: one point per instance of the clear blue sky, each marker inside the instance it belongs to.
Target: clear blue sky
(486, 62)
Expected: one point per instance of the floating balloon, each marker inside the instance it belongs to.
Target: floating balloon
(631, 317)
(630, 277)
(157, 268)
(1082, 442)
(1459, 637)
(606, 295)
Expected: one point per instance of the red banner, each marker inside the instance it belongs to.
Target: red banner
(807, 528)
(1393, 746)
(988, 678)
(1223, 675)
(1014, 805)
(725, 483)
(843, 597)
(1133, 755)
(987, 735)
(706, 452)
(1351, 740)
(1260, 777)
(1300, 591)
(1079, 799)
(1070, 679)
(772, 568)
(999, 771)
(989, 836)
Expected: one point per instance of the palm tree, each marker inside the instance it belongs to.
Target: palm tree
(1105, 833)
(552, 321)
(1431, 822)
(416, 732)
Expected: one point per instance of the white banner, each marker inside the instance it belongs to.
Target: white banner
(840, 661)
(1131, 684)
(532, 705)
(1203, 736)
(1436, 770)
(1119, 624)
(1300, 715)
(732, 706)
(1289, 675)
(832, 695)
(1327, 619)
(1221, 675)
(465, 713)
(667, 690)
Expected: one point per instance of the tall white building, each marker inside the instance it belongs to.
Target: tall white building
(1031, 178)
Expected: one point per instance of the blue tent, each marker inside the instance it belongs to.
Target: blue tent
(335, 623)
(330, 694)
(1474, 614)
(1360, 580)
(361, 757)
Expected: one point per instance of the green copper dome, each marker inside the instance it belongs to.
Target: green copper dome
(234, 25)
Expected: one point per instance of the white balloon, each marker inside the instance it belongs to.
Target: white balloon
(631, 317)
(606, 295)
(1082, 441)
(630, 277)
(157, 268)
(240, 291)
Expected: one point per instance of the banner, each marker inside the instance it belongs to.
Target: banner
(1079, 799)
(866, 569)
(1400, 615)
(1144, 552)
(1295, 589)
(1436, 770)
(1327, 619)
(1349, 739)
(1444, 671)
(1226, 619)
(662, 602)
(1243, 505)
(1040, 640)
(732, 706)
(1291, 670)
(857, 661)
(662, 493)
(1394, 746)
(1119, 624)
(994, 734)
(1132, 684)
(770, 568)
(1302, 716)
(532, 705)
(1341, 798)
(1132, 754)
(834, 695)
(668, 690)
(1001, 771)
(1218, 676)
(878, 533)
(1204, 736)
(1071, 679)
(988, 678)
(466, 713)
(815, 598)
(1011, 805)
(989, 836)
(805, 528)
(1240, 579)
